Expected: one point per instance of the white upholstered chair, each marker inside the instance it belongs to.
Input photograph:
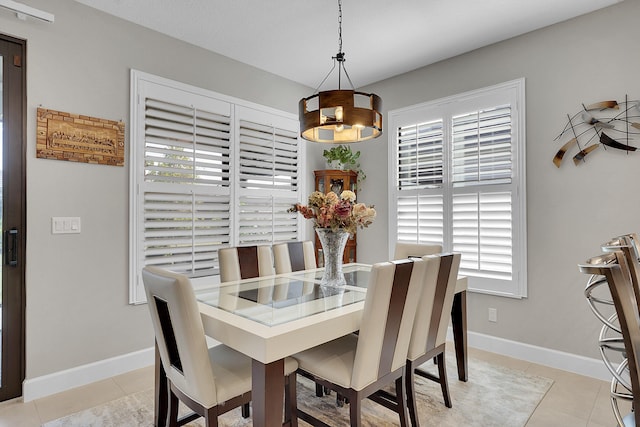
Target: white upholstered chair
(428, 336)
(406, 250)
(356, 366)
(245, 262)
(625, 383)
(459, 309)
(294, 256)
(210, 381)
(428, 339)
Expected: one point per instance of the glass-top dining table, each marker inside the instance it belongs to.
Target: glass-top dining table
(270, 318)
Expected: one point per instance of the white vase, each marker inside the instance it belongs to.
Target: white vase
(333, 244)
(334, 164)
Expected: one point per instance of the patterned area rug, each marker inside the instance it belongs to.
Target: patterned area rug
(493, 396)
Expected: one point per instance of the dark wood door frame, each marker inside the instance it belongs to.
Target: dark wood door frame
(14, 101)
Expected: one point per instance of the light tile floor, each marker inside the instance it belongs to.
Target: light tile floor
(572, 400)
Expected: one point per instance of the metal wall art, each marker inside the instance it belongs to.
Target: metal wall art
(610, 124)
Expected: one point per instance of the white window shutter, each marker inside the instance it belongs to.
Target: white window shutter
(269, 174)
(268, 157)
(481, 147)
(207, 171)
(265, 220)
(420, 155)
(420, 219)
(459, 181)
(185, 190)
(183, 231)
(482, 232)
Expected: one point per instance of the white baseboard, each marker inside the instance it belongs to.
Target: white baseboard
(35, 388)
(45, 385)
(543, 356)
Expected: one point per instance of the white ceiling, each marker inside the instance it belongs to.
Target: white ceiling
(296, 39)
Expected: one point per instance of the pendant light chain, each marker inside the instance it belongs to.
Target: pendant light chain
(340, 116)
(340, 56)
(340, 27)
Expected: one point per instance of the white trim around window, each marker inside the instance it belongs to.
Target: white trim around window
(207, 171)
(457, 178)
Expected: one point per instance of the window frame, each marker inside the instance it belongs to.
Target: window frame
(445, 109)
(239, 110)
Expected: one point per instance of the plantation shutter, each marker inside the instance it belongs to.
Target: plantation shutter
(420, 171)
(265, 220)
(459, 181)
(207, 172)
(481, 147)
(268, 157)
(420, 219)
(482, 159)
(482, 232)
(186, 196)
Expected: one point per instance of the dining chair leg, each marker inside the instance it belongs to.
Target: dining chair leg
(246, 412)
(401, 400)
(172, 409)
(290, 401)
(411, 395)
(160, 391)
(444, 384)
(355, 409)
(341, 400)
(211, 418)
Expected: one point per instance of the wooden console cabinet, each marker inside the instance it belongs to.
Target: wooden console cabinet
(337, 181)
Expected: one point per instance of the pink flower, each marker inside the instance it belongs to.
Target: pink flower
(343, 209)
(330, 211)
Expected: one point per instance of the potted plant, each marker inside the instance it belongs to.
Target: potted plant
(343, 158)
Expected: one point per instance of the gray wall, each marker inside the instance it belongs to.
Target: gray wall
(77, 285)
(570, 210)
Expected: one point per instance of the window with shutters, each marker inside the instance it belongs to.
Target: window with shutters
(207, 171)
(459, 181)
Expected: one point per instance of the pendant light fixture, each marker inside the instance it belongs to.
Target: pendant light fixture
(340, 116)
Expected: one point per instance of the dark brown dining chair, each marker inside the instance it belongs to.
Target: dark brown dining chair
(625, 384)
(628, 244)
(210, 381)
(601, 303)
(245, 262)
(356, 366)
(294, 256)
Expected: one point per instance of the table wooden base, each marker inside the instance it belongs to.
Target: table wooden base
(459, 325)
(267, 392)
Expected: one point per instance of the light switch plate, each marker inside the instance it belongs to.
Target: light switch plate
(65, 225)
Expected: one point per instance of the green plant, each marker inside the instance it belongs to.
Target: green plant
(346, 159)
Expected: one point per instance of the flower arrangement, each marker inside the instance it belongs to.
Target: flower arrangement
(330, 211)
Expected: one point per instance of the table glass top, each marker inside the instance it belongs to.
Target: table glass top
(283, 298)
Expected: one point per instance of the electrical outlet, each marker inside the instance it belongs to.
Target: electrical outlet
(493, 315)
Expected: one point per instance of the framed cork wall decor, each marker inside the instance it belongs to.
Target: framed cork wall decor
(78, 138)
